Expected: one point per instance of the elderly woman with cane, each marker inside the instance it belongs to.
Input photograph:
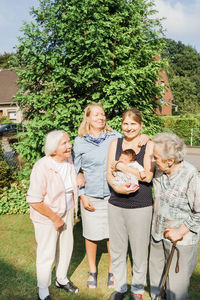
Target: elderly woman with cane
(52, 196)
(176, 217)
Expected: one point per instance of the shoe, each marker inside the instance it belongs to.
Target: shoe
(136, 296)
(110, 282)
(69, 287)
(46, 298)
(117, 296)
(92, 282)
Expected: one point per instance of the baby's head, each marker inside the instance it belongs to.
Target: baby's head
(127, 156)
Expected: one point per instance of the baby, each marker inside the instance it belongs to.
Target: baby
(128, 158)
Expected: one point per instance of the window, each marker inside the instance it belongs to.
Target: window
(12, 115)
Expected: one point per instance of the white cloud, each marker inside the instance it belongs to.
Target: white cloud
(182, 20)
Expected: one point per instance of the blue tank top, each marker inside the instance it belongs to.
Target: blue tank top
(143, 196)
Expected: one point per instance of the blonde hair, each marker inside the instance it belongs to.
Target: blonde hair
(171, 146)
(134, 114)
(84, 128)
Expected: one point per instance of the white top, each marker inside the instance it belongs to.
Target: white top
(136, 165)
(64, 171)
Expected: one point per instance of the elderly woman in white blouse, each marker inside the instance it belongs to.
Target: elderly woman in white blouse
(52, 196)
(176, 216)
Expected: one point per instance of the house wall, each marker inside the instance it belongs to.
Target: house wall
(167, 98)
(11, 112)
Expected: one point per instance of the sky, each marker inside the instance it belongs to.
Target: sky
(182, 21)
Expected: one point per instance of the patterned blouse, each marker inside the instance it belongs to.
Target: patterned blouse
(177, 201)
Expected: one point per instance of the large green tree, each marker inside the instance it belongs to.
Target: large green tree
(82, 51)
(184, 76)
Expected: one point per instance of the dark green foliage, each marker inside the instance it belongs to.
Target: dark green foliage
(185, 128)
(5, 60)
(4, 120)
(13, 188)
(6, 175)
(82, 51)
(13, 197)
(183, 74)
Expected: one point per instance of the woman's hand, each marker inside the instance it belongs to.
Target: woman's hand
(80, 180)
(45, 210)
(123, 189)
(58, 222)
(142, 140)
(113, 165)
(86, 203)
(176, 234)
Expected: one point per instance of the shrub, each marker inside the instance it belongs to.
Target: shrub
(4, 120)
(13, 198)
(13, 188)
(6, 172)
(185, 127)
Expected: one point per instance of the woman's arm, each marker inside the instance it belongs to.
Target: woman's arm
(46, 211)
(192, 222)
(86, 203)
(36, 194)
(77, 159)
(148, 162)
(80, 180)
(121, 189)
(148, 165)
(143, 140)
(176, 234)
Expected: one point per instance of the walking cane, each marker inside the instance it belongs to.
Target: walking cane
(168, 266)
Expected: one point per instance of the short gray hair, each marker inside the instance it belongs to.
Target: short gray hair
(52, 140)
(171, 146)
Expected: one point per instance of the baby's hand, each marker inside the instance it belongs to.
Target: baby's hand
(133, 189)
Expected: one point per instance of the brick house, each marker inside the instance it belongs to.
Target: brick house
(8, 88)
(167, 98)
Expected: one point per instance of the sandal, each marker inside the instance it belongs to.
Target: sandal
(110, 282)
(92, 282)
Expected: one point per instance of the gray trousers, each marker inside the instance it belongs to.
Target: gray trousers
(177, 283)
(131, 225)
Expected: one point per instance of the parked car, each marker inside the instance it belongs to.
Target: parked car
(9, 129)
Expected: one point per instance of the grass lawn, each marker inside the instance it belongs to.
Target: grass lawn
(17, 265)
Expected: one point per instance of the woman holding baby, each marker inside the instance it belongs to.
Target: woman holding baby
(130, 210)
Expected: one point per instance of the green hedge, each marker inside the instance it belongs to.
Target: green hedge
(13, 187)
(13, 198)
(184, 127)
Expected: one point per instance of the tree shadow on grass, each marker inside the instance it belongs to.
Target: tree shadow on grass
(16, 284)
(79, 249)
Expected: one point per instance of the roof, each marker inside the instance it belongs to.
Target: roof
(8, 85)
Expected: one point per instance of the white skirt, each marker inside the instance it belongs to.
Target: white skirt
(95, 223)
